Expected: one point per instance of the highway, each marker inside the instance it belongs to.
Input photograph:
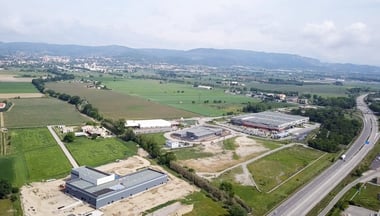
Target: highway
(301, 202)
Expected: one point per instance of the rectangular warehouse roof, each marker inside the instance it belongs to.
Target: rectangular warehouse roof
(275, 119)
(117, 184)
(152, 123)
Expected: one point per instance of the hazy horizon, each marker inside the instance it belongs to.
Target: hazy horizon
(338, 31)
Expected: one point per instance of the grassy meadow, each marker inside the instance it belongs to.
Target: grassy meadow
(100, 151)
(117, 105)
(34, 156)
(40, 112)
(181, 96)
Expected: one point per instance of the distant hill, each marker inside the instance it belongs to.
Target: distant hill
(201, 56)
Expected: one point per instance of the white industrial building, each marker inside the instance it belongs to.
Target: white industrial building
(270, 120)
(152, 123)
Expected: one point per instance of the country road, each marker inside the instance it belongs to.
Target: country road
(311, 194)
(63, 147)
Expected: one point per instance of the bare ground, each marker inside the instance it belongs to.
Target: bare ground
(45, 198)
(11, 78)
(247, 148)
(21, 95)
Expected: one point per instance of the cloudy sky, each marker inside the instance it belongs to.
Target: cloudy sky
(331, 30)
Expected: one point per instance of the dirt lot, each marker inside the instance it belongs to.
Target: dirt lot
(44, 198)
(21, 95)
(246, 148)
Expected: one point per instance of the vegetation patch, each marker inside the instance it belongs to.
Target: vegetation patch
(40, 112)
(100, 151)
(229, 144)
(191, 153)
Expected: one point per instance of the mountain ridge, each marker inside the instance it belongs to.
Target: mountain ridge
(198, 56)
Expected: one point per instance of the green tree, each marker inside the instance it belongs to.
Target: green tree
(236, 210)
(5, 188)
(69, 137)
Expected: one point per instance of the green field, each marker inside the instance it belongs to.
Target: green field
(262, 202)
(34, 156)
(191, 153)
(100, 151)
(323, 90)
(40, 112)
(116, 105)
(6, 207)
(182, 96)
(276, 168)
(17, 87)
(203, 205)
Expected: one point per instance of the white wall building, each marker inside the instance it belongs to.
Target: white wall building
(153, 123)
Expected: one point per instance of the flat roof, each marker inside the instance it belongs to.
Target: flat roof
(271, 118)
(85, 171)
(120, 183)
(148, 123)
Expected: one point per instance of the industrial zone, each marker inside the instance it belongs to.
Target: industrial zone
(100, 189)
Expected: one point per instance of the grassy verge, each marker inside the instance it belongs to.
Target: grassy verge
(100, 151)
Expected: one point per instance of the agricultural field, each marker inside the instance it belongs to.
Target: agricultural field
(323, 90)
(40, 112)
(264, 200)
(17, 87)
(34, 155)
(116, 105)
(100, 151)
(182, 96)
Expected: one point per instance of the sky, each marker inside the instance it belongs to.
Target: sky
(330, 30)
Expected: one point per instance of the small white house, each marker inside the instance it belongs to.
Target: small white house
(172, 144)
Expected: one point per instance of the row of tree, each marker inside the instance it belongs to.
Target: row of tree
(256, 107)
(81, 104)
(7, 191)
(336, 129)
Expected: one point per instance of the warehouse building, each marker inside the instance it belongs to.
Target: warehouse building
(270, 120)
(200, 132)
(144, 124)
(99, 189)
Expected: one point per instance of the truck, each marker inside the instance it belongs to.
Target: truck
(343, 157)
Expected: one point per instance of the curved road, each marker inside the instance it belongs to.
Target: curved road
(310, 195)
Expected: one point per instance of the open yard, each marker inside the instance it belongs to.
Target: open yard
(262, 202)
(40, 112)
(118, 105)
(100, 151)
(182, 96)
(203, 205)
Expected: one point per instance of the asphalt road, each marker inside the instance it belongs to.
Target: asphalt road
(310, 195)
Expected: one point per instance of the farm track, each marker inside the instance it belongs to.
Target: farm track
(1, 120)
